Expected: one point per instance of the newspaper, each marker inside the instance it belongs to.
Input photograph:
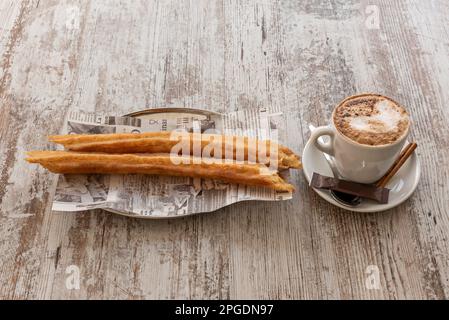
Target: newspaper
(165, 196)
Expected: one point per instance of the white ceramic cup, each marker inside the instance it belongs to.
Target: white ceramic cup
(354, 161)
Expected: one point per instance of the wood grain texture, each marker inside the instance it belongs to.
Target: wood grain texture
(300, 56)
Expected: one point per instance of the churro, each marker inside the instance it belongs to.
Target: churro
(67, 162)
(224, 147)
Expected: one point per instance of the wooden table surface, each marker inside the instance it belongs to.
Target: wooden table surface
(304, 56)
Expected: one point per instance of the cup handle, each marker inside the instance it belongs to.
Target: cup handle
(326, 147)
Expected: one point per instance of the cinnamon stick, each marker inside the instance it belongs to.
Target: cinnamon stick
(405, 154)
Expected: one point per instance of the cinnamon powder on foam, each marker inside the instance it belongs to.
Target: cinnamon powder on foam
(371, 120)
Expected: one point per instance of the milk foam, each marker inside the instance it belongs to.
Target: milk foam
(386, 119)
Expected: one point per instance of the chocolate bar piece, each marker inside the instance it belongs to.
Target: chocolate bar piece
(368, 191)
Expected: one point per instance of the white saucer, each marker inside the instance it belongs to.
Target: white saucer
(401, 185)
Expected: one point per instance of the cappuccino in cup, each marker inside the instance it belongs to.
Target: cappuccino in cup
(371, 119)
(367, 133)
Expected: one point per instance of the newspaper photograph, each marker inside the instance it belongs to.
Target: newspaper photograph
(165, 196)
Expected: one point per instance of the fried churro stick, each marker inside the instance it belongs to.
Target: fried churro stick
(231, 147)
(67, 162)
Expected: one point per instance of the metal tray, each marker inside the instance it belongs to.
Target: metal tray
(198, 113)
